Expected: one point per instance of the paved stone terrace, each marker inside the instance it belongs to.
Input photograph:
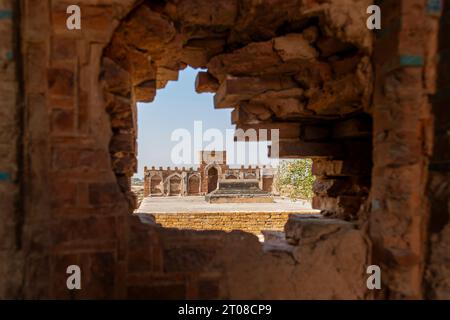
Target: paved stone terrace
(197, 204)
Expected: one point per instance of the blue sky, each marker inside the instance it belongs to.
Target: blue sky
(179, 106)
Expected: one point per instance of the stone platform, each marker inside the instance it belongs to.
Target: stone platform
(239, 191)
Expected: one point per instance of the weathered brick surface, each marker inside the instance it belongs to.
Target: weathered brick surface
(80, 89)
(11, 262)
(437, 273)
(252, 222)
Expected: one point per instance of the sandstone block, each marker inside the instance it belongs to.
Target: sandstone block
(205, 82)
(218, 13)
(342, 207)
(141, 68)
(254, 110)
(337, 97)
(332, 187)
(145, 91)
(61, 82)
(148, 30)
(234, 90)
(284, 104)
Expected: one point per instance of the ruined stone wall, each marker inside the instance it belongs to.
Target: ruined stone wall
(74, 210)
(10, 152)
(437, 273)
(252, 222)
(81, 154)
(163, 174)
(79, 147)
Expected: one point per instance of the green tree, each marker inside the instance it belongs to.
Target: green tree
(295, 179)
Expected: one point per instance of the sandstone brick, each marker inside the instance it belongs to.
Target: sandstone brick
(176, 291)
(141, 68)
(332, 187)
(97, 274)
(315, 133)
(117, 80)
(208, 289)
(64, 193)
(220, 13)
(352, 128)
(330, 46)
(264, 130)
(37, 26)
(285, 104)
(342, 207)
(145, 92)
(248, 60)
(308, 229)
(205, 82)
(314, 74)
(343, 95)
(36, 73)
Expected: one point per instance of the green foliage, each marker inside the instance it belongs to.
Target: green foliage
(295, 179)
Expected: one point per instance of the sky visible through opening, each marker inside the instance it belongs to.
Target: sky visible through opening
(178, 106)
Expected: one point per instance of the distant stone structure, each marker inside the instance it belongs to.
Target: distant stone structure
(238, 191)
(195, 182)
